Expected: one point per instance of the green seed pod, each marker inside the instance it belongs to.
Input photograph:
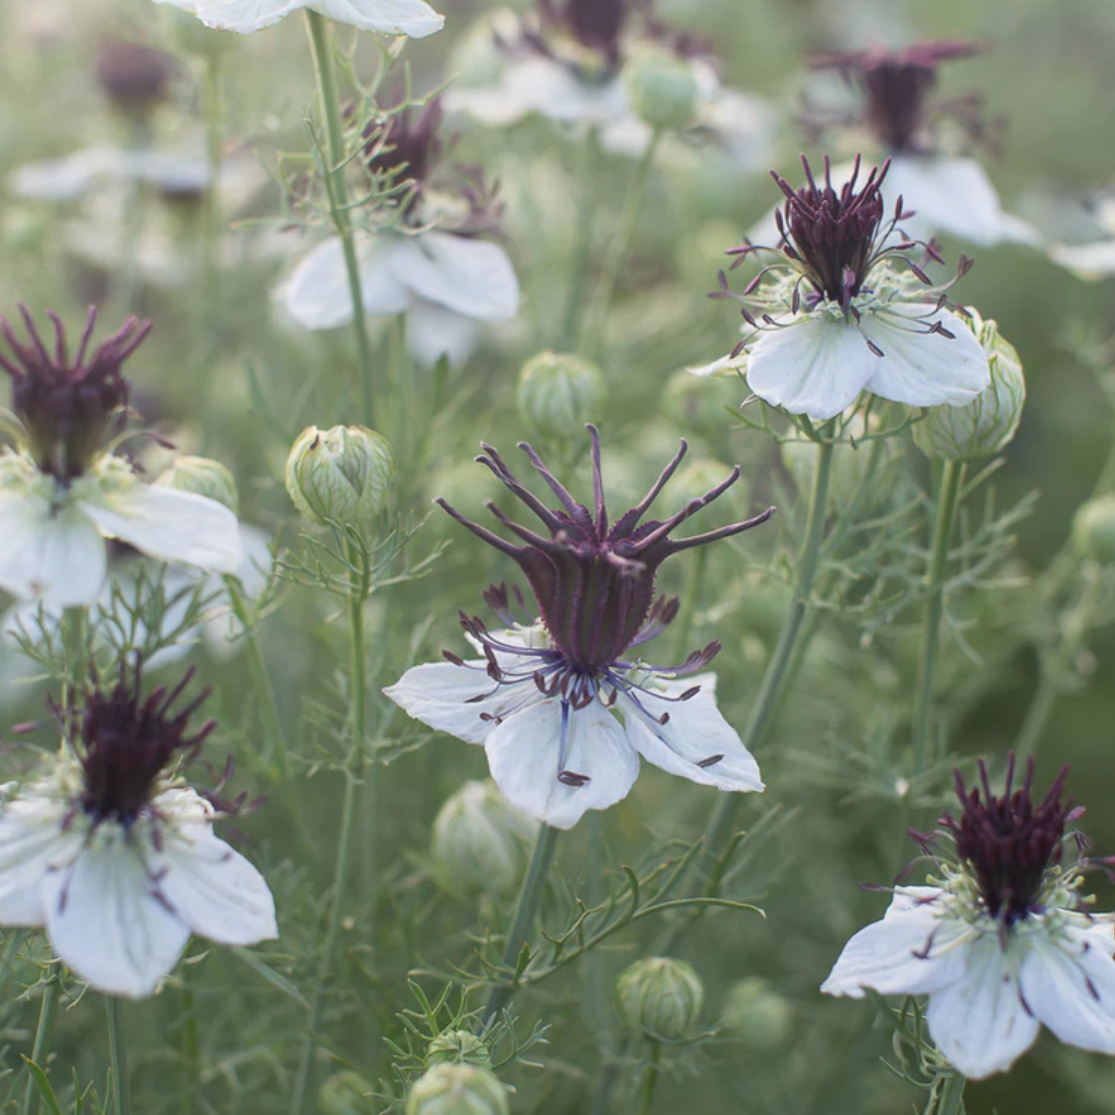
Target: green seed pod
(660, 997)
(458, 1090)
(458, 1047)
(558, 393)
(1093, 530)
(757, 1016)
(203, 477)
(345, 1093)
(340, 474)
(481, 842)
(661, 88)
(987, 424)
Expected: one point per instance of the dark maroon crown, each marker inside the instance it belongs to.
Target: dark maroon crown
(71, 409)
(594, 580)
(408, 147)
(126, 742)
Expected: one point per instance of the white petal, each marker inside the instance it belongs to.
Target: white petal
(979, 1022)
(726, 366)
(694, 733)
(32, 844)
(392, 17)
(64, 179)
(53, 555)
(1087, 261)
(443, 696)
(105, 921)
(169, 524)
(472, 277)
(555, 91)
(817, 365)
(222, 631)
(912, 951)
(316, 294)
(212, 887)
(525, 752)
(434, 332)
(496, 106)
(1069, 985)
(924, 369)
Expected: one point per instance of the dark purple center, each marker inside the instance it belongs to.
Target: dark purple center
(407, 147)
(127, 742)
(1010, 841)
(71, 409)
(593, 579)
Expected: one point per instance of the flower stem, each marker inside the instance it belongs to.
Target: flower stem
(44, 1035)
(118, 1058)
(650, 1081)
(588, 174)
(949, 1100)
(337, 190)
(526, 913)
(210, 231)
(593, 337)
(360, 578)
(947, 500)
(719, 829)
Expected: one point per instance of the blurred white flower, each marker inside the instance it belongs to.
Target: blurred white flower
(448, 283)
(1095, 259)
(832, 315)
(1003, 944)
(571, 62)
(116, 859)
(63, 492)
(390, 17)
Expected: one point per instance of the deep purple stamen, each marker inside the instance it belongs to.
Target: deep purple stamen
(125, 742)
(1010, 841)
(71, 409)
(407, 147)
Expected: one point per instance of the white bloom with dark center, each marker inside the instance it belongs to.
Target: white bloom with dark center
(1003, 945)
(116, 859)
(833, 316)
(390, 17)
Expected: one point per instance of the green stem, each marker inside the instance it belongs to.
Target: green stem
(210, 231)
(526, 913)
(191, 1046)
(44, 1035)
(588, 174)
(618, 249)
(353, 765)
(596, 979)
(118, 1058)
(950, 1098)
(650, 1081)
(721, 824)
(947, 499)
(337, 190)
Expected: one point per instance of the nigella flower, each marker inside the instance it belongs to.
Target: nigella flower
(948, 193)
(435, 266)
(390, 17)
(564, 707)
(63, 490)
(835, 313)
(1002, 939)
(568, 60)
(114, 854)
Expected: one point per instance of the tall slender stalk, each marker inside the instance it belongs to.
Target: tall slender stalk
(526, 913)
(44, 1036)
(210, 217)
(360, 577)
(947, 499)
(588, 175)
(949, 1098)
(337, 190)
(650, 1080)
(118, 1058)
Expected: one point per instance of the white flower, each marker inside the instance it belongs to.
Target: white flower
(1003, 947)
(390, 17)
(832, 316)
(555, 761)
(447, 285)
(120, 865)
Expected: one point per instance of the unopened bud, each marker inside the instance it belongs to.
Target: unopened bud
(340, 475)
(134, 77)
(1093, 530)
(661, 997)
(481, 842)
(987, 424)
(458, 1047)
(661, 88)
(345, 1093)
(558, 393)
(757, 1016)
(458, 1090)
(203, 477)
